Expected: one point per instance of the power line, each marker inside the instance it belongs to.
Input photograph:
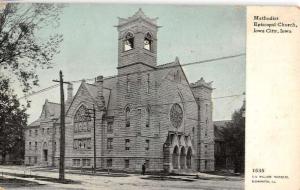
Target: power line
(139, 72)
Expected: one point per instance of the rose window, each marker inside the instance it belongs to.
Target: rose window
(176, 115)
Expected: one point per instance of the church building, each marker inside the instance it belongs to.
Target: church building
(146, 114)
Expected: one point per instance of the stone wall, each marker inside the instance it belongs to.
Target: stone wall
(205, 130)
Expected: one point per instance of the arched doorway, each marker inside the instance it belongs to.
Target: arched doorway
(175, 157)
(45, 152)
(182, 158)
(189, 158)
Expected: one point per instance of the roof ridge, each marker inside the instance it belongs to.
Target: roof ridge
(166, 64)
(53, 103)
(222, 120)
(110, 77)
(91, 84)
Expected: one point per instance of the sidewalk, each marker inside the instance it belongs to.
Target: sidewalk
(53, 172)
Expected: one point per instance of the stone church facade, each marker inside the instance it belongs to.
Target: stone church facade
(147, 113)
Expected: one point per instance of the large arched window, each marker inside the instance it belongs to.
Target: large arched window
(82, 126)
(127, 116)
(129, 41)
(82, 120)
(148, 41)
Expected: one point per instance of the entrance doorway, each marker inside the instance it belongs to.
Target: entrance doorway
(175, 157)
(45, 152)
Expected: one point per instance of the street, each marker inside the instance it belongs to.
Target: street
(124, 181)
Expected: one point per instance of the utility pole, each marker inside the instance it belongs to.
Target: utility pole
(94, 118)
(62, 127)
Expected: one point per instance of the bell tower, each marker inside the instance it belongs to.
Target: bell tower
(137, 41)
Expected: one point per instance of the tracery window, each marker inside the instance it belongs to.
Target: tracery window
(176, 115)
(148, 42)
(82, 120)
(129, 41)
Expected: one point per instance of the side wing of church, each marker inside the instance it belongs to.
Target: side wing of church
(146, 114)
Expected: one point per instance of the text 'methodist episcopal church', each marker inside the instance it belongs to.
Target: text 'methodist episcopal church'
(148, 113)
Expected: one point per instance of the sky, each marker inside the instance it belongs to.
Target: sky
(191, 33)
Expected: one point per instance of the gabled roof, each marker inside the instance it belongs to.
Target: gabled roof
(54, 109)
(50, 110)
(108, 85)
(164, 69)
(35, 123)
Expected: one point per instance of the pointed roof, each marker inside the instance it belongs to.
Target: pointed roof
(137, 15)
(35, 123)
(202, 83)
(54, 109)
(50, 110)
(93, 91)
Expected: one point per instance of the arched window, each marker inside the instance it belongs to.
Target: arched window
(148, 111)
(128, 41)
(127, 116)
(81, 120)
(148, 41)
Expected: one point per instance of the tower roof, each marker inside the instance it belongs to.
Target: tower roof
(202, 83)
(137, 15)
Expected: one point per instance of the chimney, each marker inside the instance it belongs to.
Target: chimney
(70, 92)
(99, 84)
(69, 95)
